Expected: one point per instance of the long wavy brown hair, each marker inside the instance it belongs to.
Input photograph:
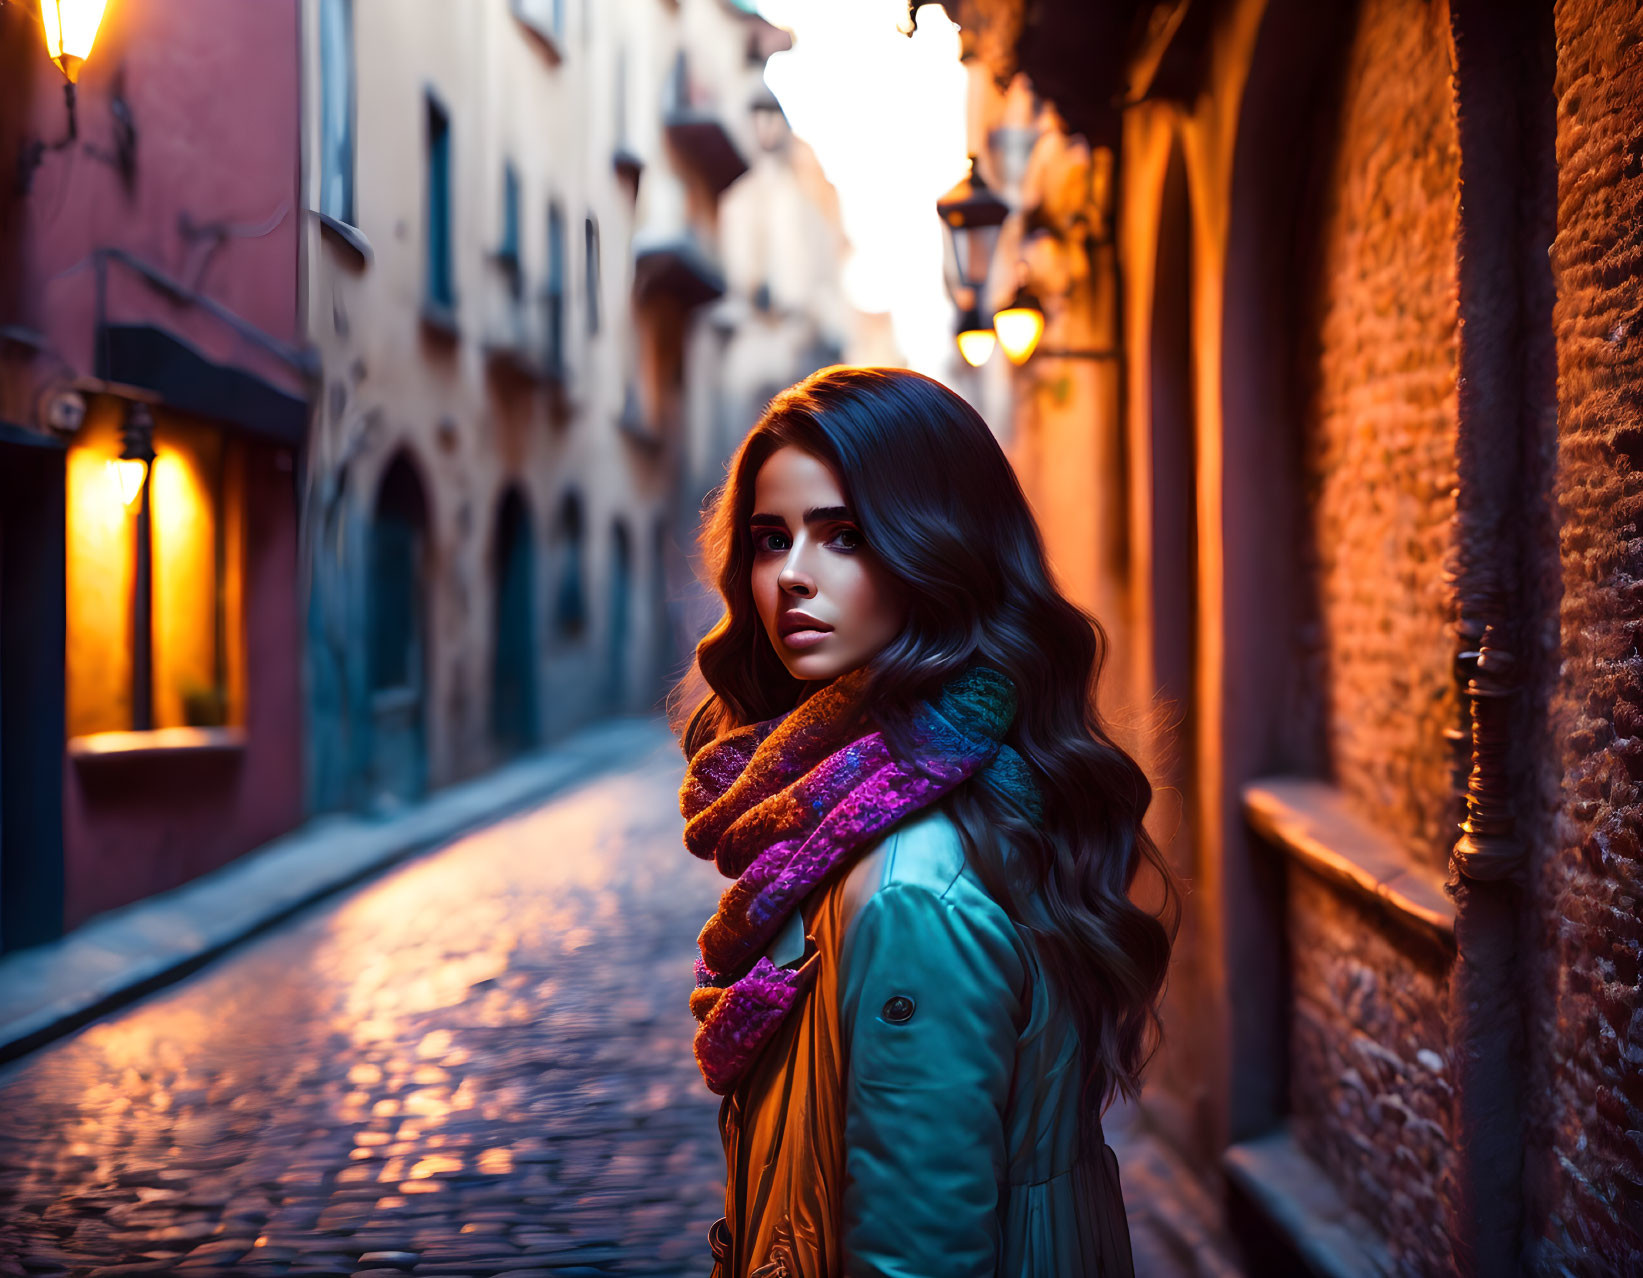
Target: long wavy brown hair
(938, 503)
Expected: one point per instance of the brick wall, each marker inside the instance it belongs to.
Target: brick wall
(1380, 463)
(1369, 1052)
(1585, 1158)
(1370, 1084)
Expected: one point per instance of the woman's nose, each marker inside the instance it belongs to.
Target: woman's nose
(794, 580)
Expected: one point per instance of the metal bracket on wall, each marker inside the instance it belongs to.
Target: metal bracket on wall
(1062, 352)
(34, 151)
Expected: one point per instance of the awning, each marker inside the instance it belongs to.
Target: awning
(149, 356)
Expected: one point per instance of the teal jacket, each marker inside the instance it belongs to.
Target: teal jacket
(961, 1084)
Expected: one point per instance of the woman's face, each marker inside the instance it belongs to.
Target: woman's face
(826, 601)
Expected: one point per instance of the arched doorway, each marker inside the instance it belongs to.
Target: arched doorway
(397, 646)
(621, 590)
(513, 656)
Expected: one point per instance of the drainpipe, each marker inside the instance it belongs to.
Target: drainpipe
(1503, 88)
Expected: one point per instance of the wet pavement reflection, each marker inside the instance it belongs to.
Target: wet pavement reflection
(478, 1065)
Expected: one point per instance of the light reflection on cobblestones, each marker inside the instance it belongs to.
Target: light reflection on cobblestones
(479, 1065)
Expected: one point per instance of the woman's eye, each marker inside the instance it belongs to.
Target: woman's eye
(772, 541)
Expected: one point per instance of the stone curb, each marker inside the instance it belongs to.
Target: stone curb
(51, 990)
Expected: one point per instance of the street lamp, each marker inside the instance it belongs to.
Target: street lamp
(70, 28)
(975, 339)
(1019, 325)
(972, 214)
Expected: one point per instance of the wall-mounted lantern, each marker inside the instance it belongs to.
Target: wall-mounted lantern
(70, 28)
(1019, 325)
(972, 214)
(976, 339)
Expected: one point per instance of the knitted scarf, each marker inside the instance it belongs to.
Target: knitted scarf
(779, 805)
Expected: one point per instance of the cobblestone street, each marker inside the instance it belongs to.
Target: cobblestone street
(477, 1065)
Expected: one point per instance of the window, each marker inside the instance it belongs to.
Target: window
(336, 182)
(554, 294)
(180, 584)
(570, 605)
(440, 283)
(513, 663)
(398, 575)
(590, 232)
(507, 250)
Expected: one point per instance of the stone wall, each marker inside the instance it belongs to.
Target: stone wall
(1585, 1160)
(1380, 464)
(1369, 1054)
(1371, 1090)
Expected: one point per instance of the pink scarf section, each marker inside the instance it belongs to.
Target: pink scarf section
(778, 806)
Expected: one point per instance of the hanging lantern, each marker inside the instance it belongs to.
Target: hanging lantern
(972, 214)
(1019, 326)
(71, 30)
(975, 339)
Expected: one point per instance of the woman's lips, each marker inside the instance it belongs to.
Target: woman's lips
(802, 639)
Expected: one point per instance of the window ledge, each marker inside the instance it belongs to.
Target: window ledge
(1303, 1205)
(350, 239)
(1309, 821)
(515, 360)
(440, 320)
(108, 747)
(636, 431)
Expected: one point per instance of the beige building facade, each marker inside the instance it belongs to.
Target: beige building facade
(511, 247)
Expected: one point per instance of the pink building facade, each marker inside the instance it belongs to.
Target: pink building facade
(150, 698)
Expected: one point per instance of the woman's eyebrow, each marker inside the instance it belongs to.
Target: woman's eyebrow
(815, 515)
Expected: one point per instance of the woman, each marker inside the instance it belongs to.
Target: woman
(927, 980)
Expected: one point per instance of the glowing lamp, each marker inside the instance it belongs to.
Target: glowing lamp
(128, 478)
(136, 452)
(70, 27)
(975, 339)
(1019, 326)
(71, 30)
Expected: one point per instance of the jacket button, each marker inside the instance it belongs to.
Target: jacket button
(898, 1009)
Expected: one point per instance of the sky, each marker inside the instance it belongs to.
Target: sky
(885, 115)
